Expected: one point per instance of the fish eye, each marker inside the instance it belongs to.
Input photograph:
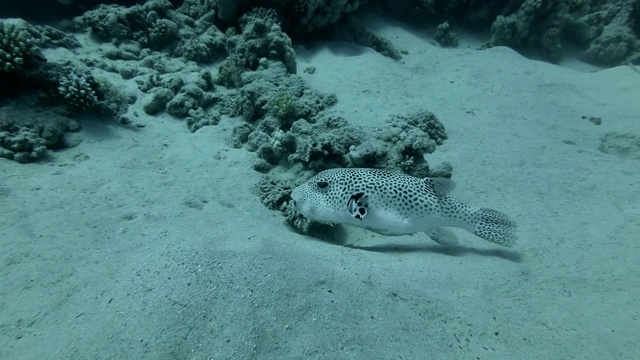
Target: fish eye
(322, 184)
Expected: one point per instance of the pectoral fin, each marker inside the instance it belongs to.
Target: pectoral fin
(444, 237)
(358, 205)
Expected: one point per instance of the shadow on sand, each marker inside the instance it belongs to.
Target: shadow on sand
(337, 236)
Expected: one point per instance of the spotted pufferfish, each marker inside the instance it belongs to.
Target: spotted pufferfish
(392, 203)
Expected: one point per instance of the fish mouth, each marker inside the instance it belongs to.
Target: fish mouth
(293, 202)
(295, 205)
(304, 211)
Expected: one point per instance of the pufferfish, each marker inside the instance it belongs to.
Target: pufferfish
(391, 203)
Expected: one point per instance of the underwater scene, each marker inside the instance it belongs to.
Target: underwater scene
(319, 179)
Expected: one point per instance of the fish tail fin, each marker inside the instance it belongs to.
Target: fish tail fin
(493, 226)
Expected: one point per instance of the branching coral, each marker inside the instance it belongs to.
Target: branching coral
(17, 47)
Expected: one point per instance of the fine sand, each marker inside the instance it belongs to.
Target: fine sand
(152, 243)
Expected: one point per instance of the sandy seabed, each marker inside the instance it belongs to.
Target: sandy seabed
(153, 244)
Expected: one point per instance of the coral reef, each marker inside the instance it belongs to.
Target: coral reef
(272, 90)
(18, 50)
(57, 88)
(304, 15)
(604, 30)
(608, 35)
(315, 14)
(288, 125)
(250, 78)
(188, 97)
(118, 23)
(185, 32)
(445, 36)
(268, 91)
(364, 37)
(271, 100)
(26, 134)
(230, 10)
(78, 91)
(261, 38)
(331, 142)
(536, 24)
